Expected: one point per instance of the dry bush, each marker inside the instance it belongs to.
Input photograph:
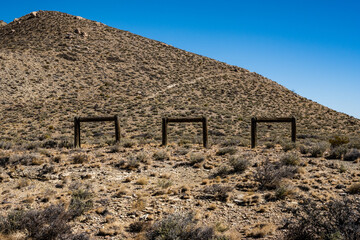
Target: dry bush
(5, 145)
(219, 192)
(269, 175)
(354, 189)
(226, 150)
(81, 202)
(336, 152)
(161, 155)
(290, 159)
(334, 220)
(48, 224)
(26, 159)
(239, 163)
(80, 158)
(180, 226)
(352, 155)
(318, 149)
(287, 146)
(196, 158)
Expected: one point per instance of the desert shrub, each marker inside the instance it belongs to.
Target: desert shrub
(115, 148)
(336, 152)
(221, 171)
(269, 175)
(4, 160)
(143, 157)
(138, 226)
(290, 159)
(304, 149)
(354, 143)
(164, 183)
(269, 145)
(48, 224)
(239, 163)
(226, 150)
(65, 144)
(26, 159)
(354, 189)
(352, 154)
(318, 149)
(333, 220)
(5, 145)
(196, 158)
(337, 141)
(130, 164)
(231, 142)
(128, 143)
(179, 226)
(287, 146)
(49, 144)
(219, 192)
(161, 155)
(283, 191)
(81, 202)
(80, 158)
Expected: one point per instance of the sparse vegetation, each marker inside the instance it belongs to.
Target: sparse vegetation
(334, 220)
(239, 163)
(161, 155)
(180, 226)
(269, 175)
(50, 223)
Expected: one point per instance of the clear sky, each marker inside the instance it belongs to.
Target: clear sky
(310, 46)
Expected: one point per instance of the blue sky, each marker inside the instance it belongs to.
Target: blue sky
(311, 47)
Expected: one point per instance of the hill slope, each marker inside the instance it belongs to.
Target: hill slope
(55, 66)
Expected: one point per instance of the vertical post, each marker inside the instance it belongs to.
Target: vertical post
(253, 132)
(293, 129)
(117, 129)
(164, 131)
(76, 132)
(205, 132)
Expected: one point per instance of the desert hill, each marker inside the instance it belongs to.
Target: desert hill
(55, 66)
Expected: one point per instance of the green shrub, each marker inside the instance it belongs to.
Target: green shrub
(337, 141)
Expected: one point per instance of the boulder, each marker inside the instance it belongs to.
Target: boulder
(2, 23)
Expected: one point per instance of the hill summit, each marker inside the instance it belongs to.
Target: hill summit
(55, 66)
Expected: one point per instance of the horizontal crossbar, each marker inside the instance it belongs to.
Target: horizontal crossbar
(274, 119)
(180, 120)
(96, 119)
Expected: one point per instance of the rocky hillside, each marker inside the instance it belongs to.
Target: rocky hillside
(55, 66)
